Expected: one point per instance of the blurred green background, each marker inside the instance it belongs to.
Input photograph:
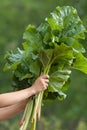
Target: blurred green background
(15, 15)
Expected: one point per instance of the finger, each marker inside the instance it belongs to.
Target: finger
(46, 85)
(46, 81)
(45, 76)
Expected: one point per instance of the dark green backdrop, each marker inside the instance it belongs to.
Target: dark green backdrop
(15, 15)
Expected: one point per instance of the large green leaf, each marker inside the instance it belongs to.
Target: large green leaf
(14, 59)
(33, 38)
(80, 63)
(74, 44)
(58, 79)
(66, 20)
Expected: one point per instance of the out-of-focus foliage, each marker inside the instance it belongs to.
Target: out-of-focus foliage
(15, 15)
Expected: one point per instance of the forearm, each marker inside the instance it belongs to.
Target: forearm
(12, 98)
(7, 112)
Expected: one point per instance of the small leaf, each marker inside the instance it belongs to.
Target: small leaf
(45, 56)
(35, 68)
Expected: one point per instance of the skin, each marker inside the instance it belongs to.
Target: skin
(14, 102)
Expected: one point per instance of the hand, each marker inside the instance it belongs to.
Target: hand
(41, 83)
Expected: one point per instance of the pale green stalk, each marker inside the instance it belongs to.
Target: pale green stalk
(28, 113)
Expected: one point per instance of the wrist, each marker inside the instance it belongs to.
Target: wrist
(32, 90)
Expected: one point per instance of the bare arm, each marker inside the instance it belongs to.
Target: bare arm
(7, 112)
(12, 98)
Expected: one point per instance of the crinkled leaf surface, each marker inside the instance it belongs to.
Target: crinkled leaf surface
(53, 47)
(80, 63)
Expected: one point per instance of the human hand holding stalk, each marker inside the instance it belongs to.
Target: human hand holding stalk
(34, 104)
